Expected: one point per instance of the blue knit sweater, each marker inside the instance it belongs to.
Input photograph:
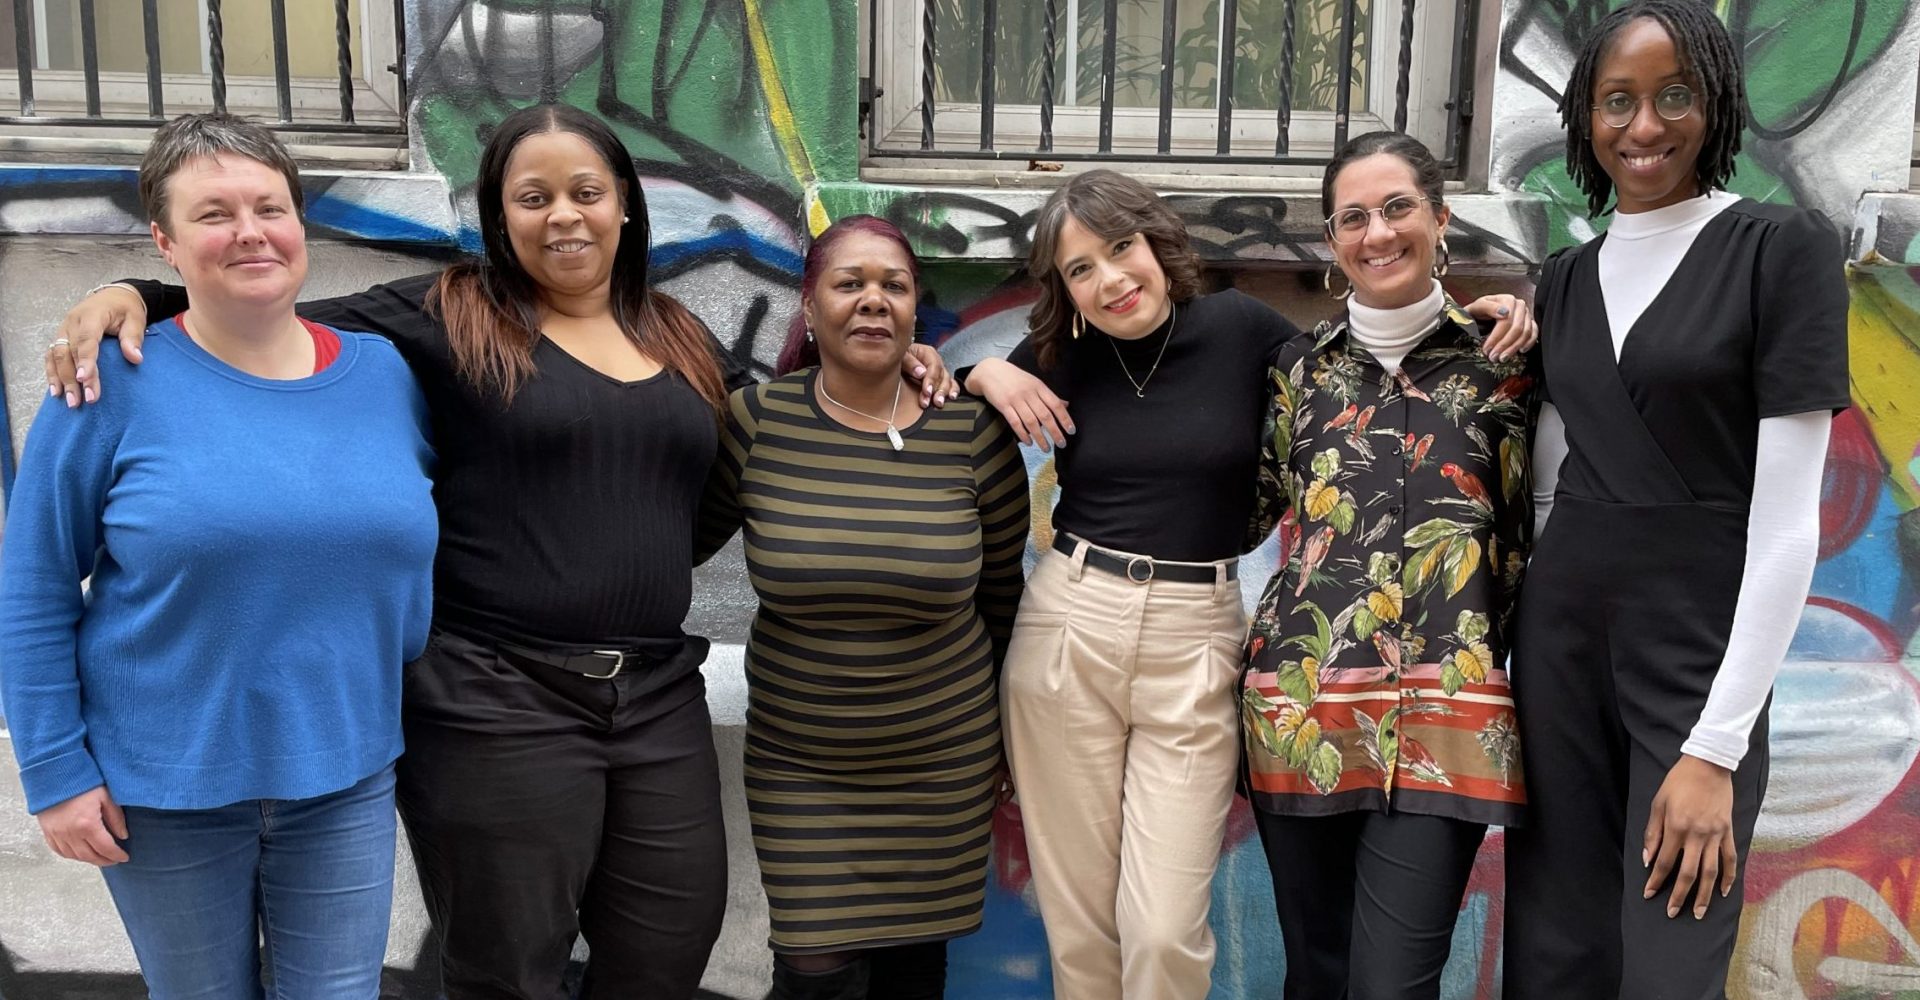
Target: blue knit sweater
(262, 557)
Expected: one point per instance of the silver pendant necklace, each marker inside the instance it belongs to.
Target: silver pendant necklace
(893, 433)
(1140, 385)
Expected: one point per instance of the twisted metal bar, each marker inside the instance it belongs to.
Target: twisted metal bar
(926, 74)
(343, 48)
(217, 54)
(1046, 79)
(1406, 66)
(1282, 141)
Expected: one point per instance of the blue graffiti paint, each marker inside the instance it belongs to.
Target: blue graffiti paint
(349, 218)
(727, 242)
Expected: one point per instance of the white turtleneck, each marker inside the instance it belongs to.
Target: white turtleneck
(1391, 334)
(1637, 258)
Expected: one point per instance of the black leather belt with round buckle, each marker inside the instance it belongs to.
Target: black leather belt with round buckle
(1143, 569)
(598, 664)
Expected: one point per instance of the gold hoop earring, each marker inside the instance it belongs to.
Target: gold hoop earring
(1079, 324)
(1440, 265)
(1326, 282)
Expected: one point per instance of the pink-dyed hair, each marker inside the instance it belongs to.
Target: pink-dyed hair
(799, 352)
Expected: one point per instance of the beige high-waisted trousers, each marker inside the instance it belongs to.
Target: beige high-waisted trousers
(1123, 741)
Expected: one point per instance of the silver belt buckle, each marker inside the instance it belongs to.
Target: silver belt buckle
(619, 658)
(1140, 561)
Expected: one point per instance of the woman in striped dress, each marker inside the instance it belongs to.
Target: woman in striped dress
(885, 545)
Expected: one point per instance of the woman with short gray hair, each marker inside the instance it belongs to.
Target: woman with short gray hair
(215, 724)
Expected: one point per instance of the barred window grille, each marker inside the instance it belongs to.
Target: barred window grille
(1184, 81)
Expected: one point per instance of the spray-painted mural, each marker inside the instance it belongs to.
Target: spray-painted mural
(743, 115)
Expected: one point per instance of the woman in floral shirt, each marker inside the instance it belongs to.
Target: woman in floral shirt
(1379, 729)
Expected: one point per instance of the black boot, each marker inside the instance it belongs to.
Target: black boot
(848, 982)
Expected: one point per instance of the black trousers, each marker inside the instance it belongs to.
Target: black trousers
(542, 805)
(1367, 900)
(1621, 630)
(895, 972)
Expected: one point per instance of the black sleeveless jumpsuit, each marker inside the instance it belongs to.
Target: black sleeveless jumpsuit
(1630, 594)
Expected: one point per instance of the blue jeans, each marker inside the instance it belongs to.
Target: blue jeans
(296, 893)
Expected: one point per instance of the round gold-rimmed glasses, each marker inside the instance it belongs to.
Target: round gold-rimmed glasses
(1349, 225)
(1673, 103)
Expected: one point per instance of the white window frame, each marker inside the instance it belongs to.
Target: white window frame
(894, 121)
(315, 101)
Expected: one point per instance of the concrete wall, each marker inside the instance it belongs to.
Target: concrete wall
(742, 115)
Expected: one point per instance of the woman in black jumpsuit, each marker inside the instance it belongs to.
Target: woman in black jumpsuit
(1632, 588)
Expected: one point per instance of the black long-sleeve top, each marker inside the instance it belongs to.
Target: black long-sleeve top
(1170, 472)
(566, 517)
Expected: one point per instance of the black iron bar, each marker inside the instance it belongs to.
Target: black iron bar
(282, 69)
(1046, 77)
(23, 55)
(1460, 88)
(1406, 66)
(217, 54)
(90, 57)
(1169, 25)
(343, 50)
(990, 12)
(926, 74)
(1283, 141)
(1343, 100)
(1109, 52)
(1229, 26)
(150, 22)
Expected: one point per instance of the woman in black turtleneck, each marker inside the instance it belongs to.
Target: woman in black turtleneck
(1119, 684)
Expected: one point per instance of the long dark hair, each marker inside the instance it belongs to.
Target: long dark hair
(491, 306)
(1707, 55)
(799, 352)
(1110, 205)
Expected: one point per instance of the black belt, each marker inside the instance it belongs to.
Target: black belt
(596, 664)
(1142, 569)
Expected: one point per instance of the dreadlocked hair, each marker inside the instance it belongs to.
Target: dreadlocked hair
(1712, 64)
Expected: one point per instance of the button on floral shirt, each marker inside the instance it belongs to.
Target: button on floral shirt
(1375, 664)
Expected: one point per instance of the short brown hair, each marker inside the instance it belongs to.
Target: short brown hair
(1110, 205)
(190, 137)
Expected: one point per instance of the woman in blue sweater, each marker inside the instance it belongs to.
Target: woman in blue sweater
(214, 720)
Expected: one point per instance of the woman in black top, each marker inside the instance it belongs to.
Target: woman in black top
(560, 775)
(1695, 355)
(1119, 686)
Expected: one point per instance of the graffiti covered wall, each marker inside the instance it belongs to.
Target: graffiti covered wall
(743, 116)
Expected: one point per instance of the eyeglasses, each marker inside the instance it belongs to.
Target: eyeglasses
(1672, 103)
(1349, 225)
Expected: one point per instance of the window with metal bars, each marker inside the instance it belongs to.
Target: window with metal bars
(1248, 83)
(325, 71)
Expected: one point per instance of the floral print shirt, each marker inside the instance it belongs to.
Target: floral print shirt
(1376, 660)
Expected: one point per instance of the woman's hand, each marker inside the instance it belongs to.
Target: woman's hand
(1514, 331)
(924, 365)
(1691, 826)
(83, 828)
(1024, 402)
(71, 365)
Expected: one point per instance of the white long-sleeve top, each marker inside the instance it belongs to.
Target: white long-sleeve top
(1639, 255)
(1391, 334)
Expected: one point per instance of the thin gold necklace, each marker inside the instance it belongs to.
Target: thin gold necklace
(1140, 385)
(893, 433)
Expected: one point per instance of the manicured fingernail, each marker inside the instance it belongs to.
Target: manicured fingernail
(1503, 310)
(1644, 858)
(53, 390)
(919, 369)
(1724, 893)
(1672, 911)
(1646, 894)
(1699, 913)
(80, 373)
(72, 401)
(91, 393)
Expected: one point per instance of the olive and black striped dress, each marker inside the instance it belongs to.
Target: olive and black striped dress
(888, 582)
